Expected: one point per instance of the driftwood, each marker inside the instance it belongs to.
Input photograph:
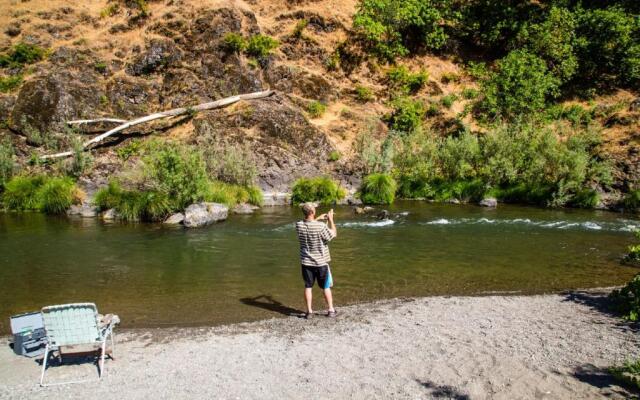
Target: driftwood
(165, 114)
(96, 121)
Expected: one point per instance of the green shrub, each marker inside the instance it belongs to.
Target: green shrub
(9, 83)
(21, 193)
(260, 46)
(108, 197)
(81, 160)
(256, 196)
(448, 100)
(449, 77)
(298, 30)
(334, 156)
(364, 94)
(469, 93)
(110, 10)
(378, 189)
(133, 148)
(407, 114)
(133, 205)
(323, 190)
(404, 82)
(520, 85)
(460, 157)
(234, 43)
(585, 198)
(632, 200)
(56, 195)
(100, 66)
(626, 301)
(463, 190)
(7, 162)
(390, 29)
(21, 54)
(628, 373)
(316, 109)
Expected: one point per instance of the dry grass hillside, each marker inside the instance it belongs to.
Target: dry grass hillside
(95, 47)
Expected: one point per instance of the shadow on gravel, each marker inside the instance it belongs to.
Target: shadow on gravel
(443, 391)
(599, 301)
(603, 380)
(268, 303)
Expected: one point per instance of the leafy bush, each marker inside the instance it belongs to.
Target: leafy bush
(80, 161)
(260, 46)
(585, 198)
(21, 54)
(56, 195)
(469, 93)
(463, 190)
(234, 43)
(378, 189)
(459, 157)
(334, 156)
(132, 148)
(632, 200)
(364, 94)
(403, 81)
(298, 30)
(9, 83)
(316, 109)
(390, 29)
(319, 189)
(108, 197)
(407, 114)
(256, 196)
(626, 301)
(448, 100)
(449, 77)
(7, 162)
(520, 85)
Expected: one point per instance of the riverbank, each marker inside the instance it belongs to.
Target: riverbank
(548, 347)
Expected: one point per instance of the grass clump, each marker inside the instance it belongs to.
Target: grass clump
(585, 198)
(316, 109)
(448, 100)
(22, 54)
(110, 10)
(234, 43)
(334, 156)
(403, 81)
(56, 195)
(7, 162)
(407, 114)
(52, 195)
(323, 190)
(378, 189)
(469, 93)
(21, 193)
(364, 94)
(298, 30)
(8, 83)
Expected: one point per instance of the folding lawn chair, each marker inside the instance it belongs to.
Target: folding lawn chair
(76, 325)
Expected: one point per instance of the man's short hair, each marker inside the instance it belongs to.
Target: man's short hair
(308, 209)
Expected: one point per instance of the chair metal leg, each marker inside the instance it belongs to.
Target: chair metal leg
(104, 350)
(44, 364)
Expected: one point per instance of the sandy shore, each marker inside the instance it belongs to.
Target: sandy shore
(543, 347)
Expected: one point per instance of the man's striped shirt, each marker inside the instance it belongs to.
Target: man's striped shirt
(314, 237)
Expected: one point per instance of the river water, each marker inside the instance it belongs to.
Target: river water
(246, 268)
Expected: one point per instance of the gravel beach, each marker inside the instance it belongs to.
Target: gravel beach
(495, 347)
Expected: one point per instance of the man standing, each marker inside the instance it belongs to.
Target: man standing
(314, 237)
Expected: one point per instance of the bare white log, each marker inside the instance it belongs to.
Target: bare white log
(165, 114)
(96, 121)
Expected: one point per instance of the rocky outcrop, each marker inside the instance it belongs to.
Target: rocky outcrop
(489, 202)
(160, 54)
(110, 215)
(203, 214)
(175, 219)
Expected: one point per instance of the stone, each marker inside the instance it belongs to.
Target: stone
(276, 199)
(203, 214)
(453, 201)
(83, 210)
(175, 219)
(160, 54)
(244, 208)
(110, 215)
(635, 105)
(489, 202)
(358, 210)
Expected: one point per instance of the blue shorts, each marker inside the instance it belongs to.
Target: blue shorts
(320, 274)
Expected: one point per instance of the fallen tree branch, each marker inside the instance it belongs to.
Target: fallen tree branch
(165, 114)
(96, 121)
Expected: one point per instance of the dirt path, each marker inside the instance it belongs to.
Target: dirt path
(545, 347)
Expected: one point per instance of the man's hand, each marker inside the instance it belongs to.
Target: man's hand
(332, 225)
(330, 215)
(321, 217)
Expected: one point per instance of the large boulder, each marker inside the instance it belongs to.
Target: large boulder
(489, 202)
(159, 54)
(175, 219)
(203, 214)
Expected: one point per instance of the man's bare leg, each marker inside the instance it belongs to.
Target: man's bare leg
(308, 298)
(328, 297)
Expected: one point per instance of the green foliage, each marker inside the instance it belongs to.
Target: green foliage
(628, 373)
(22, 54)
(448, 100)
(323, 190)
(407, 114)
(364, 94)
(81, 160)
(608, 46)
(8, 83)
(39, 193)
(626, 301)
(234, 43)
(316, 109)
(56, 195)
(256, 196)
(110, 10)
(449, 77)
(459, 157)
(632, 200)
(378, 189)
(132, 148)
(521, 84)
(463, 190)
(100, 66)
(108, 197)
(390, 29)
(7, 162)
(334, 156)
(585, 198)
(402, 81)
(373, 155)
(133, 205)
(469, 93)
(260, 46)
(175, 170)
(21, 193)
(298, 30)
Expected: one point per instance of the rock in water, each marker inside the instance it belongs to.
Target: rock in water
(489, 202)
(175, 219)
(83, 210)
(244, 208)
(110, 214)
(203, 214)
